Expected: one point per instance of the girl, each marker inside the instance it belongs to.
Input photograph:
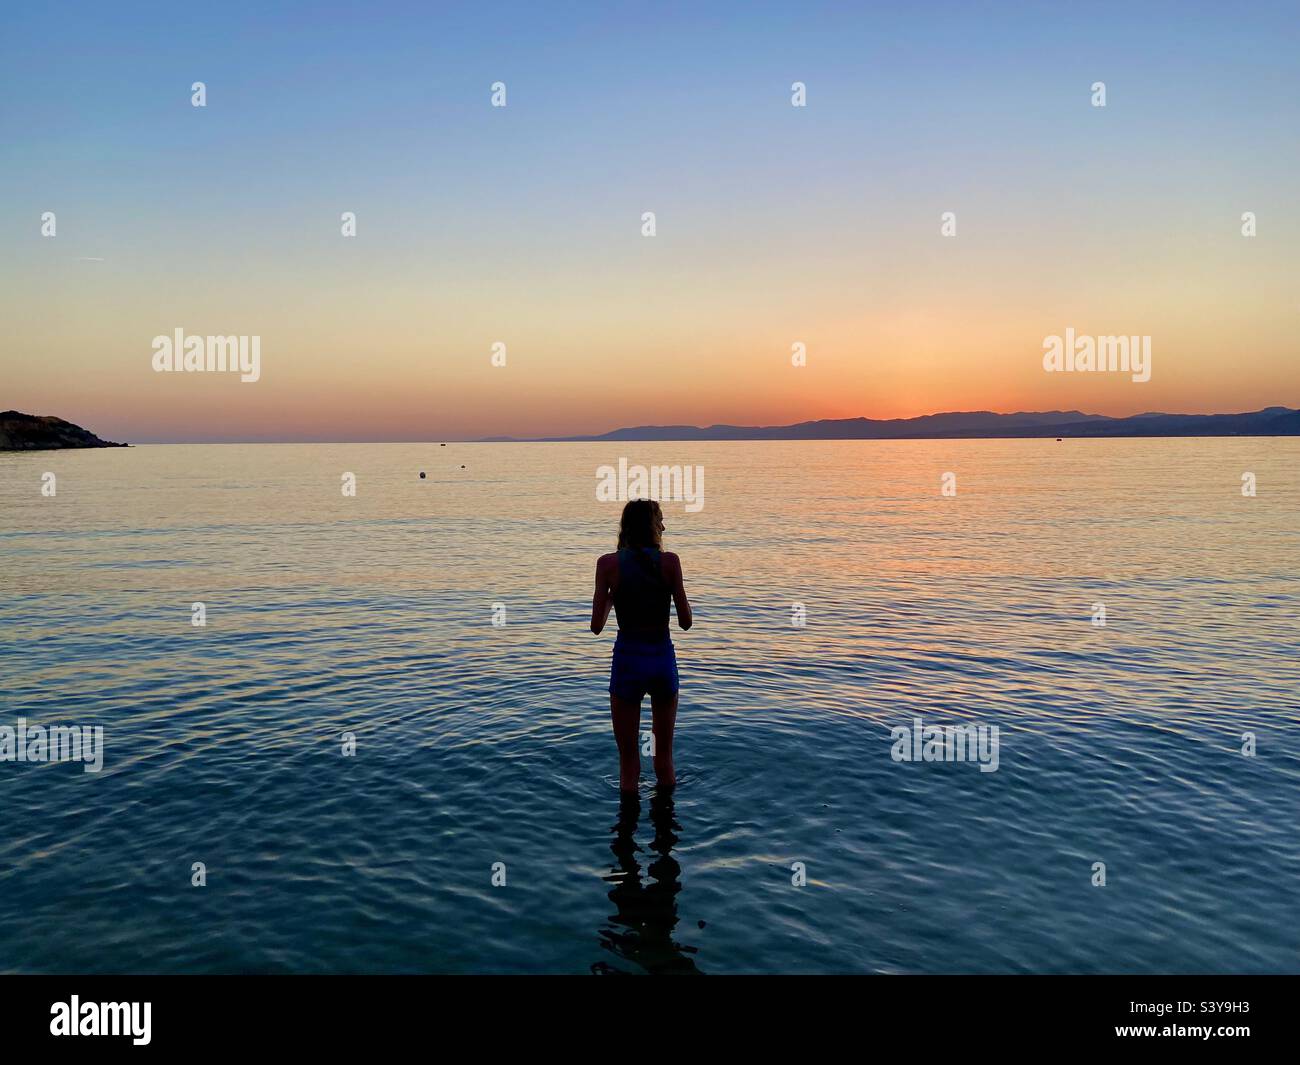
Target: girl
(638, 581)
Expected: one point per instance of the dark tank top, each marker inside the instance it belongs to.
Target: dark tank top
(641, 599)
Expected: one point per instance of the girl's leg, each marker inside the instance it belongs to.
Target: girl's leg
(664, 711)
(627, 721)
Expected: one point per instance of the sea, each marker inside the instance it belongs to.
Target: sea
(353, 720)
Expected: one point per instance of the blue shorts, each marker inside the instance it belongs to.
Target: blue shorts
(643, 665)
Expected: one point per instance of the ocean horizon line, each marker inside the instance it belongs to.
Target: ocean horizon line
(1269, 421)
(680, 440)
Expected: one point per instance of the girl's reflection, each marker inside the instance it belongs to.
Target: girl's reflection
(641, 929)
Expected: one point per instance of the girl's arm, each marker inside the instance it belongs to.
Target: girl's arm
(683, 604)
(603, 599)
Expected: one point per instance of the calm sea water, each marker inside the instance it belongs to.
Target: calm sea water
(478, 744)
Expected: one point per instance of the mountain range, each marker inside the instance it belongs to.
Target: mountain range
(1271, 421)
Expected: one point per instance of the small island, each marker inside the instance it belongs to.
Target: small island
(34, 432)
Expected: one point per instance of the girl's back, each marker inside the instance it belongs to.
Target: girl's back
(642, 592)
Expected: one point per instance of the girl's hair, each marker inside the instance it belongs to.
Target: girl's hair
(639, 526)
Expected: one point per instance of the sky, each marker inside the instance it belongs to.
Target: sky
(522, 225)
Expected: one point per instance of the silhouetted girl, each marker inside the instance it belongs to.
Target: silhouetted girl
(638, 581)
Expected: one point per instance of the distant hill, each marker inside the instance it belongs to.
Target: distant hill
(34, 432)
(1271, 421)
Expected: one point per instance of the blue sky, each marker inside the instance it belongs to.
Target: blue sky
(775, 221)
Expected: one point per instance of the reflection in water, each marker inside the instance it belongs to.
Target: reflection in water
(641, 931)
